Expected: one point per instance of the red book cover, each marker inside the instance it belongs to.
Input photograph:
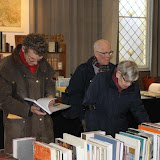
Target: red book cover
(42, 151)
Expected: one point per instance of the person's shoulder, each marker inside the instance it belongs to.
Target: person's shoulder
(84, 66)
(111, 65)
(44, 66)
(6, 62)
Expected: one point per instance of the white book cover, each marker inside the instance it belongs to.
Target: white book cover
(51, 47)
(43, 103)
(154, 144)
(67, 153)
(108, 146)
(77, 140)
(23, 148)
(87, 135)
(142, 143)
(132, 147)
(75, 148)
(149, 137)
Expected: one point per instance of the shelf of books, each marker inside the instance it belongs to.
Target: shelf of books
(134, 144)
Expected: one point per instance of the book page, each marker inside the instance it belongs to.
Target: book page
(42, 103)
(58, 106)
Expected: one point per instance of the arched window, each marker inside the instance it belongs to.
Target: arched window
(135, 31)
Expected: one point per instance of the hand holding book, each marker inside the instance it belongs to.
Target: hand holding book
(46, 104)
(37, 110)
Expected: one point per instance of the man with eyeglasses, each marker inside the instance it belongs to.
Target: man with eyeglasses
(111, 96)
(79, 83)
(26, 73)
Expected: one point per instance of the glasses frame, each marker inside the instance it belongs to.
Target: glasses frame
(110, 53)
(126, 80)
(31, 59)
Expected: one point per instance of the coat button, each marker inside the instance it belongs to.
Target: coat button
(46, 77)
(23, 121)
(40, 119)
(37, 81)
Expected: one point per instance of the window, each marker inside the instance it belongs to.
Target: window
(135, 32)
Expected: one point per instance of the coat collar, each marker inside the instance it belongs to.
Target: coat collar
(113, 85)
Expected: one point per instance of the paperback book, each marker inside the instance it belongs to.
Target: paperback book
(43, 103)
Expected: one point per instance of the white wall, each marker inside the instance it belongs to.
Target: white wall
(10, 35)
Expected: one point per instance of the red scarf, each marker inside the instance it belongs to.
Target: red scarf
(31, 68)
(115, 79)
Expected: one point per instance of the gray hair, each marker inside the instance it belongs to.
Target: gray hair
(129, 69)
(99, 43)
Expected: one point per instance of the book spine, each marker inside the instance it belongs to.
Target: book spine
(0, 41)
(151, 125)
(150, 129)
(3, 42)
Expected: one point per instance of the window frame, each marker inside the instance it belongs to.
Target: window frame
(149, 27)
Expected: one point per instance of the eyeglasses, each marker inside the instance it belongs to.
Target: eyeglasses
(126, 80)
(110, 53)
(31, 59)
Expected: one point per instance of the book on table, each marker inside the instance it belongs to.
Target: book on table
(87, 135)
(43, 103)
(113, 141)
(62, 152)
(77, 141)
(105, 148)
(143, 143)
(43, 151)
(23, 148)
(131, 147)
(75, 148)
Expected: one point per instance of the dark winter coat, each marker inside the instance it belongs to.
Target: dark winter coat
(112, 107)
(78, 85)
(16, 83)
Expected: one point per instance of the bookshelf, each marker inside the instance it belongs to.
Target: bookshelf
(58, 60)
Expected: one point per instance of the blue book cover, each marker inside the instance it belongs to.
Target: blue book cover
(109, 140)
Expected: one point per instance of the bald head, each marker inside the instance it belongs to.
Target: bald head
(102, 50)
(100, 44)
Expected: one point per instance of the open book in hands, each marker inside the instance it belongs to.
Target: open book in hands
(43, 103)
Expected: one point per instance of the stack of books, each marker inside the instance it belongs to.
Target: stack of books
(135, 144)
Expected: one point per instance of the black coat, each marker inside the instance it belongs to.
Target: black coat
(78, 85)
(112, 107)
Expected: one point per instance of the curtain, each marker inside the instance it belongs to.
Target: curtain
(81, 21)
(155, 64)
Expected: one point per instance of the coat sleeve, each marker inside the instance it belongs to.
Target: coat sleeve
(9, 103)
(137, 107)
